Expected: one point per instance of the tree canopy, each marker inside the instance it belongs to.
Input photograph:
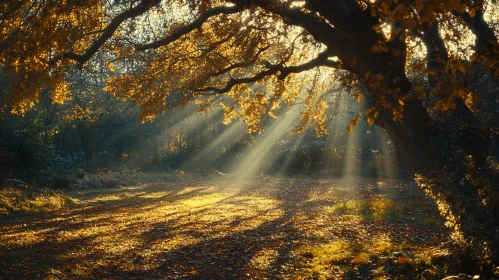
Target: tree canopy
(182, 50)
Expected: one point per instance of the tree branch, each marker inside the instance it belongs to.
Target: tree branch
(190, 27)
(486, 40)
(437, 52)
(108, 32)
(346, 16)
(241, 64)
(321, 60)
(322, 31)
(281, 71)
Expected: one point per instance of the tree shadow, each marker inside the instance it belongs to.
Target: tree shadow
(194, 230)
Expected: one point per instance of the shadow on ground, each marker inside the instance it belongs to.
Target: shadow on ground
(260, 229)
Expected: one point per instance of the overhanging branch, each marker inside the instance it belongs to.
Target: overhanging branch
(241, 64)
(190, 27)
(486, 40)
(108, 32)
(321, 30)
(321, 60)
(280, 70)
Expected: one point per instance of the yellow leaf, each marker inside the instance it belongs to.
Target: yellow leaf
(60, 93)
(370, 119)
(446, 104)
(367, 75)
(448, 67)
(458, 7)
(472, 12)
(461, 68)
(352, 123)
(462, 93)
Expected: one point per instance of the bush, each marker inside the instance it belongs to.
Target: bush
(17, 196)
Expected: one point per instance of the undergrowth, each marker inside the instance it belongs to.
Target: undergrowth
(24, 198)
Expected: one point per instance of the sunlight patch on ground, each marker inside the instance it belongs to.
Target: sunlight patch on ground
(25, 198)
(204, 200)
(26, 238)
(249, 229)
(263, 259)
(322, 256)
(382, 244)
(154, 195)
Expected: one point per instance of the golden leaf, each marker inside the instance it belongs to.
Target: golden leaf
(367, 75)
(352, 123)
(461, 68)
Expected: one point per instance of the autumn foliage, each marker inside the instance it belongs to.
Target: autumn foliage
(427, 71)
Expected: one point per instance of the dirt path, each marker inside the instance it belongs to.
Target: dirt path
(263, 229)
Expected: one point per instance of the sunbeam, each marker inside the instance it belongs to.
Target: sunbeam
(352, 165)
(258, 157)
(217, 148)
(284, 166)
(171, 134)
(335, 148)
(387, 165)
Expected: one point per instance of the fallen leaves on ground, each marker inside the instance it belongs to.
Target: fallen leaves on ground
(260, 229)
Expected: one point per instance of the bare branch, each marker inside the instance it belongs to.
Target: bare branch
(190, 27)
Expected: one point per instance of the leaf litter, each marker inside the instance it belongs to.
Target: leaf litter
(267, 228)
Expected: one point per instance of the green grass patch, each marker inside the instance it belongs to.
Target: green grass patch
(381, 209)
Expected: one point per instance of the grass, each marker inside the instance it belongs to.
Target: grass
(26, 199)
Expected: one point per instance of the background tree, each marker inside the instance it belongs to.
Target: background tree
(429, 99)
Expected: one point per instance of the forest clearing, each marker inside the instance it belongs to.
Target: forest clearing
(237, 139)
(268, 228)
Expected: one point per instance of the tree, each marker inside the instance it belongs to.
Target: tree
(415, 62)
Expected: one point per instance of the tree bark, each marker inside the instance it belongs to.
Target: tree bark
(486, 40)
(411, 136)
(455, 187)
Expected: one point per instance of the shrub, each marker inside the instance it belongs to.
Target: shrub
(17, 196)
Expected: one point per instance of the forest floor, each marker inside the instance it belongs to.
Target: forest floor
(261, 229)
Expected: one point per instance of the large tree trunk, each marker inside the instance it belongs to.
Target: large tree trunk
(412, 138)
(447, 151)
(465, 193)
